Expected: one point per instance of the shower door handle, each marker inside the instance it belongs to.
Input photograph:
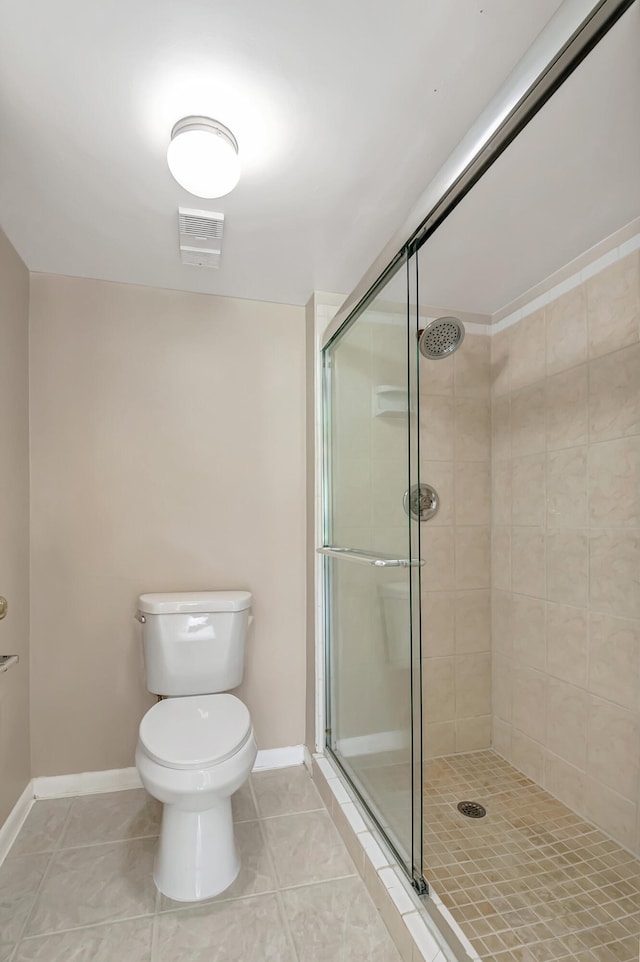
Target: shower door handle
(369, 558)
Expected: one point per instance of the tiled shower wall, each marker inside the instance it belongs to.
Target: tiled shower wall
(566, 547)
(455, 444)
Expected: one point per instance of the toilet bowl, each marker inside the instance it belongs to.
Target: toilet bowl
(193, 753)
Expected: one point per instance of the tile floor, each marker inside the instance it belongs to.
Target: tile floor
(77, 886)
(532, 881)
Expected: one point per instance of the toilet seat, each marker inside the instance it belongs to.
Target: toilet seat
(196, 731)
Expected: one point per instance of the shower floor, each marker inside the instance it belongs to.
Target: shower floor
(531, 881)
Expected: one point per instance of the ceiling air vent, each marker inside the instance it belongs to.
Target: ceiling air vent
(200, 237)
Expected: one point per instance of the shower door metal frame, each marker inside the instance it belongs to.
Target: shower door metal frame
(413, 562)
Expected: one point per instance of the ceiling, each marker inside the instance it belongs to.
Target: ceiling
(343, 112)
(568, 181)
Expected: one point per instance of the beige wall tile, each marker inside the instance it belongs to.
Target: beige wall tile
(472, 367)
(568, 566)
(527, 755)
(439, 474)
(528, 631)
(438, 623)
(567, 414)
(501, 363)
(438, 552)
(501, 428)
(567, 643)
(614, 659)
(613, 306)
(612, 756)
(528, 561)
(614, 560)
(614, 395)
(502, 686)
(473, 429)
(438, 689)
(473, 557)
(529, 703)
(567, 488)
(527, 350)
(436, 376)
(473, 492)
(473, 684)
(501, 557)
(473, 621)
(436, 428)
(528, 420)
(501, 474)
(565, 781)
(473, 734)
(501, 737)
(501, 623)
(616, 815)
(567, 709)
(528, 505)
(614, 483)
(566, 320)
(438, 738)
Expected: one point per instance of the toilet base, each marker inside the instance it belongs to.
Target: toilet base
(197, 856)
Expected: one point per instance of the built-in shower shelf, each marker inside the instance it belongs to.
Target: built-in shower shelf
(390, 401)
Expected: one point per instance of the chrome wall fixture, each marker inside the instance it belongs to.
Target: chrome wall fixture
(421, 502)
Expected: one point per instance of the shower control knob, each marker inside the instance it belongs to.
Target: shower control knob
(421, 502)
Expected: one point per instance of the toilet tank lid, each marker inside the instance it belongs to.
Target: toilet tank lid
(176, 602)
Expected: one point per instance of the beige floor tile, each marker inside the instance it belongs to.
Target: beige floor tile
(112, 817)
(43, 827)
(246, 930)
(256, 872)
(337, 920)
(19, 881)
(119, 942)
(243, 805)
(306, 848)
(98, 883)
(285, 792)
(6, 951)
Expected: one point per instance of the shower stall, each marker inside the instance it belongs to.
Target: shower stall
(481, 530)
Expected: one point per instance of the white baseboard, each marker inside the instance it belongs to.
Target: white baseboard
(119, 779)
(269, 758)
(15, 820)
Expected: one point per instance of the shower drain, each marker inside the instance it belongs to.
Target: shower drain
(472, 809)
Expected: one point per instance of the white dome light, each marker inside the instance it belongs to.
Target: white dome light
(203, 157)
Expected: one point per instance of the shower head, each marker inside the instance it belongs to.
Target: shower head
(441, 337)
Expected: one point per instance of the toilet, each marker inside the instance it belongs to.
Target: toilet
(196, 747)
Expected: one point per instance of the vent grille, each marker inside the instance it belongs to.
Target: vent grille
(200, 237)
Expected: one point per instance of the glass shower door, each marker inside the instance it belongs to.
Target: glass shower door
(372, 564)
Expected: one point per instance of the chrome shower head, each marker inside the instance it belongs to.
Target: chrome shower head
(441, 337)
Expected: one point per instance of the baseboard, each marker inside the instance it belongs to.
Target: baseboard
(86, 783)
(119, 779)
(15, 820)
(269, 758)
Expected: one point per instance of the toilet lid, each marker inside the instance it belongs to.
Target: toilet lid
(196, 731)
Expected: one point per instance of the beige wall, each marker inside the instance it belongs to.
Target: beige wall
(455, 456)
(566, 547)
(167, 452)
(15, 766)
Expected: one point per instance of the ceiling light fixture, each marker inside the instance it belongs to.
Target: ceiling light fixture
(203, 157)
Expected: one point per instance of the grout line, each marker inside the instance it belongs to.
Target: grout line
(91, 925)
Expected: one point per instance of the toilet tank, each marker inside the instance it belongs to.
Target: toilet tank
(193, 641)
